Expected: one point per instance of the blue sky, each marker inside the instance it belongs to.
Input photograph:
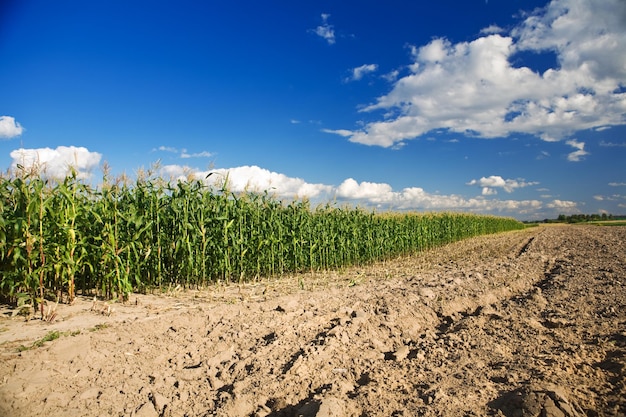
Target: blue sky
(508, 107)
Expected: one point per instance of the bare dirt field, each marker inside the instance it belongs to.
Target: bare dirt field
(529, 323)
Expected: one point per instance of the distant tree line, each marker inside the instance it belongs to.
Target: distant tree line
(582, 218)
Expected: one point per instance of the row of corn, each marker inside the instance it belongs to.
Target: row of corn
(61, 238)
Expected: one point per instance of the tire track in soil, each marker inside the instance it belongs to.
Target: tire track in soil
(524, 324)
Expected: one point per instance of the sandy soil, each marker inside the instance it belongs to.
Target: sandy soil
(529, 323)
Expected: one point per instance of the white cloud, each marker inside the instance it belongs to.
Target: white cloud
(580, 153)
(56, 163)
(588, 36)
(340, 132)
(165, 149)
(325, 30)
(491, 29)
(543, 155)
(602, 128)
(563, 205)
(183, 153)
(489, 184)
(472, 87)
(373, 192)
(359, 72)
(252, 179)
(391, 76)
(617, 184)
(9, 128)
(204, 154)
(613, 197)
(613, 144)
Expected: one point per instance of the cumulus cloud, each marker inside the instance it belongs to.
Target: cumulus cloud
(9, 128)
(617, 184)
(415, 198)
(58, 162)
(489, 184)
(183, 153)
(578, 154)
(563, 205)
(325, 30)
(358, 72)
(373, 192)
(473, 88)
(250, 179)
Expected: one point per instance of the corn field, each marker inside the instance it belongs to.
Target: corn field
(63, 238)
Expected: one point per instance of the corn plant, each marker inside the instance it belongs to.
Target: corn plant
(22, 256)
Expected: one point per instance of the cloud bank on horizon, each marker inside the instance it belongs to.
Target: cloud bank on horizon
(379, 195)
(57, 163)
(474, 88)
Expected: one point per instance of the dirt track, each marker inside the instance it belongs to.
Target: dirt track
(529, 323)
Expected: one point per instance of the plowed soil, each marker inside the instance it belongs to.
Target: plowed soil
(528, 323)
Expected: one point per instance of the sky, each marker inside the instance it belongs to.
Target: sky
(506, 107)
